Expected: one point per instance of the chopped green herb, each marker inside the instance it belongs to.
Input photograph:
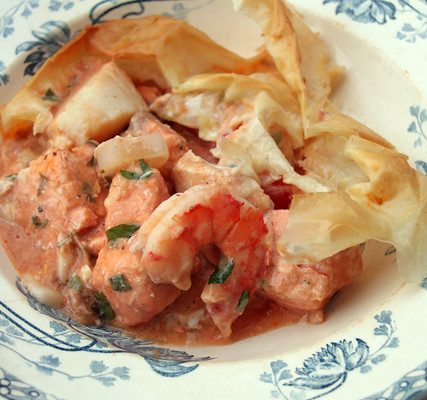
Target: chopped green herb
(42, 185)
(87, 191)
(119, 283)
(277, 137)
(145, 168)
(129, 175)
(121, 231)
(50, 95)
(92, 162)
(103, 307)
(243, 301)
(92, 142)
(38, 223)
(11, 177)
(305, 282)
(222, 271)
(75, 283)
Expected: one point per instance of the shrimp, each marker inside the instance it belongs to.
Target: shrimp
(307, 287)
(118, 273)
(191, 170)
(207, 214)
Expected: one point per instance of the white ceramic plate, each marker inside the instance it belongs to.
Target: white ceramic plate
(373, 344)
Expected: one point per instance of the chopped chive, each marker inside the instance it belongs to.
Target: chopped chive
(75, 283)
(42, 185)
(38, 223)
(222, 271)
(121, 231)
(243, 301)
(50, 96)
(103, 307)
(119, 283)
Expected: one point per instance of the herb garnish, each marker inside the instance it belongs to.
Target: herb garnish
(277, 137)
(42, 185)
(121, 231)
(75, 283)
(92, 142)
(103, 307)
(129, 174)
(119, 283)
(145, 168)
(38, 223)
(11, 177)
(50, 95)
(87, 191)
(243, 301)
(92, 162)
(222, 271)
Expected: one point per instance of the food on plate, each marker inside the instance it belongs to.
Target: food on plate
(155, 181)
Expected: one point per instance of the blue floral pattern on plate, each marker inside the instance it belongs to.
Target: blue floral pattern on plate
(24, 8)
(67, 335)
(383, 11)
(323, 372)
(416, 127)
(327, 370)
(13, 388)
(49, 39)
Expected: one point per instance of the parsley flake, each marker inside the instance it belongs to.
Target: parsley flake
(103, 307)
(222, 271)
(11, 177)
(277, 137)
(75, 283)
(146, 172)
(243, 301)
(38, 223)
(92, 162)
(119, 283)
(129, 175)
(121, 231)
(88, 192)
(50, 95)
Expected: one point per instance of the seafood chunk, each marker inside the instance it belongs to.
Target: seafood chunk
(133, 200)
(119, 274)
(144, 123)
(59, 196)
(114, 154)
(207, 214)
(192, 170)
(307, 287)
(97, 110)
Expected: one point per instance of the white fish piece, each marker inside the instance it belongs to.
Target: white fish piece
(97, 110)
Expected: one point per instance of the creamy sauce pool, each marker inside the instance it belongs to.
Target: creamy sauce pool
(185, 322)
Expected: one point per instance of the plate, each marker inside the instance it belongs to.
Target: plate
(373, 342)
